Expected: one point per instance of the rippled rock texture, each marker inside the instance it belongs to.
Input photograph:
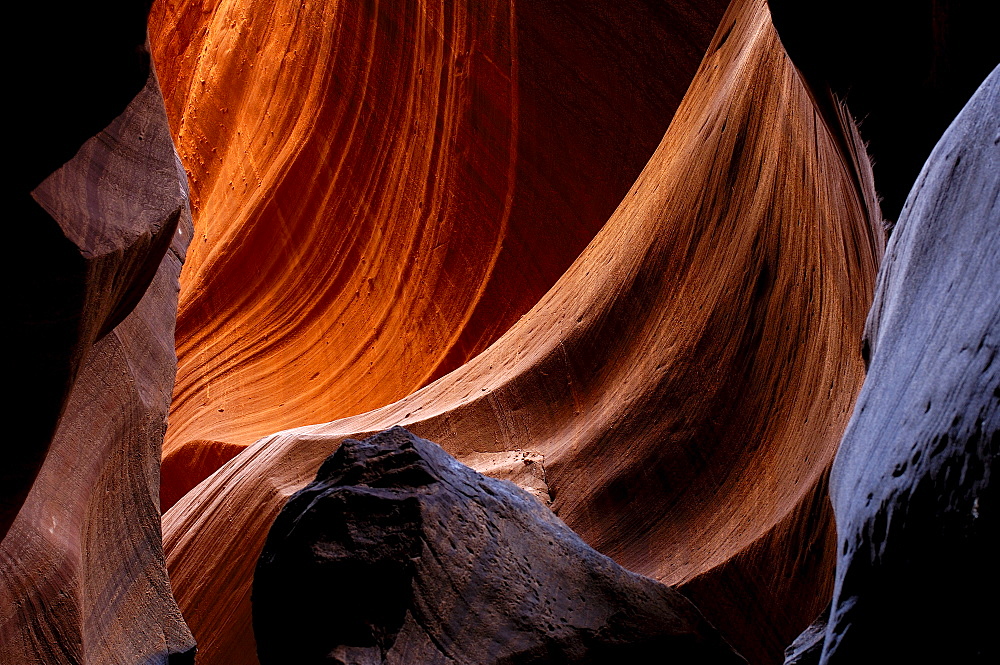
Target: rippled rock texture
(398, 554)
(541, 235)
(912, 485)
(381, 190)
(683, 385)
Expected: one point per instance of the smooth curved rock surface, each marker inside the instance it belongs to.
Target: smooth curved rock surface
(684, 384)
(82, 574)
(398, 554)
(912, 485)
(188, 466)
(384, 204)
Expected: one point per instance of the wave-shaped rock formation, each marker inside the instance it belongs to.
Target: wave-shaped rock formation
(398, 554)
(912, 482)
(379, 191)
(82, 574)
(472, 219)
(680, 390)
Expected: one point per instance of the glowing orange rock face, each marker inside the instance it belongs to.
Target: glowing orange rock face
(684, 384)
(314, 184)
(380, 191)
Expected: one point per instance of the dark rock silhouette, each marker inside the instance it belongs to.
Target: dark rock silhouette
(905, 69)
(397, 553)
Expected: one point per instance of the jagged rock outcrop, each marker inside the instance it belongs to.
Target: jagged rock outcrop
(82, 574)
(807, 648)
(74, 277)
(398, 554)
(683, 385)
(912, 486)
(384, 204)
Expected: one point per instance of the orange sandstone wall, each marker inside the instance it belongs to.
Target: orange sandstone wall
(683, 385)
(381, 189)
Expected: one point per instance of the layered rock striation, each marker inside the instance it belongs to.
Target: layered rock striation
(683, 385)
(90, 219)
(380, 191)
(381, 194)
(82, 574)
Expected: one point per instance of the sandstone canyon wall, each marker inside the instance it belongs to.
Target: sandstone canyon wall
(620, 254)
(380, 191)
(72, 276)
(726, 295)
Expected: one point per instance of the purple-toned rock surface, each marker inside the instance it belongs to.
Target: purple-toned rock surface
(912, 487)
(82, 574)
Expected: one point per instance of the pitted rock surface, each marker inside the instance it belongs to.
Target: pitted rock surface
(398, 554)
